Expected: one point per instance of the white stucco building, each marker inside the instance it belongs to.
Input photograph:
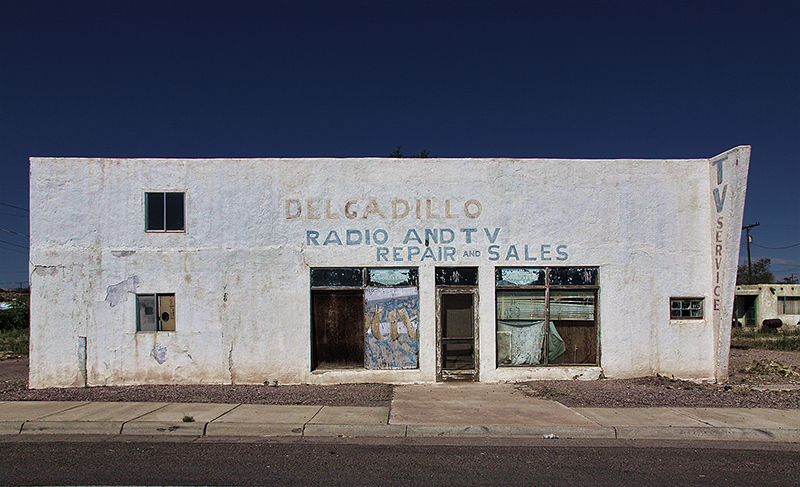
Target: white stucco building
(381, 270)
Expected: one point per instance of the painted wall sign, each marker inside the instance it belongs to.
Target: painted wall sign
(419, 245)
(719, 201)
(430, 208)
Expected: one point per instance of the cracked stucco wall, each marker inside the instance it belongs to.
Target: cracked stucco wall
(240, 271)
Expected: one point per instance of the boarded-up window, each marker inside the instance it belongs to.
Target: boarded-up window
(546, 315)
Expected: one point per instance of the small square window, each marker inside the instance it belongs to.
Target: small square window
(164, 212)
(686, 308)
(155, 312)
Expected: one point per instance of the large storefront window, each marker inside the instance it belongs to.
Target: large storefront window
(546, 316)
(365, 318)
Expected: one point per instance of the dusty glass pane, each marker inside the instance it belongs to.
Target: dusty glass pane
(146, 312)
(154, 211)
(686, 308)
(350, 277)
(520, 327)
(392, 277)
(520, 305)
(174, 212)
(520, 276)
(456, 276)
(573, 276)
(571, 305)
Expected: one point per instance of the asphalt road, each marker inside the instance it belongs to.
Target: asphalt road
(99, 461)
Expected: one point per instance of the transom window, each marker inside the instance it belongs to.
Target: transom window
(546, 315)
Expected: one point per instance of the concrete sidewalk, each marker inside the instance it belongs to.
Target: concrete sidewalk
(440, 410)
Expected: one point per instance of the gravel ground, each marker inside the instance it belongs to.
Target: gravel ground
(741, 390)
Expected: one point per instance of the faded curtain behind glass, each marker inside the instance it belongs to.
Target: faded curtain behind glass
(521, 329)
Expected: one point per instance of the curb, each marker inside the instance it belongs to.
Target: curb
(511, 431)
(312, 430)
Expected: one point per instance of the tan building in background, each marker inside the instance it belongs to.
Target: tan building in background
(755, 303)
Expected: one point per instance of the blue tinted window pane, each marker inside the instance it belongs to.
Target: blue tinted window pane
(520, 276)
(392, 277)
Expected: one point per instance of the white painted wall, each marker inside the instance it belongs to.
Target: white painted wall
(240, 272)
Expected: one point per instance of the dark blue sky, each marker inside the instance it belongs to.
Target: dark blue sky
(567, 79)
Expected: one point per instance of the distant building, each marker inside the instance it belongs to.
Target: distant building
(176, 271)
(758, 302)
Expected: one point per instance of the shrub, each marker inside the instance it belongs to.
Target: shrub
(17, 316)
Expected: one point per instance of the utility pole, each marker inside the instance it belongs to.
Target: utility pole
(747, 228)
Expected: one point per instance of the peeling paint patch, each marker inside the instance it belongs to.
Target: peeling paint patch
(122, 253)
(159, 353)
(118, 293)
(46, 270)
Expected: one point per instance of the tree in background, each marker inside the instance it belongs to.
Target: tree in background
(759, 275)
(422, 155)
(17, 315)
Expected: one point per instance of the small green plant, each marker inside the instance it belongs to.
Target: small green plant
(188, 419)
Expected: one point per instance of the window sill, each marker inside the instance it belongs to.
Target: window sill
(686, 321)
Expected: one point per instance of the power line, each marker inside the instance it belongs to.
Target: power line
(15, 245)
(12, 250)
(15, 233)
(775, 248)
(16, 207)
(14, 214)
